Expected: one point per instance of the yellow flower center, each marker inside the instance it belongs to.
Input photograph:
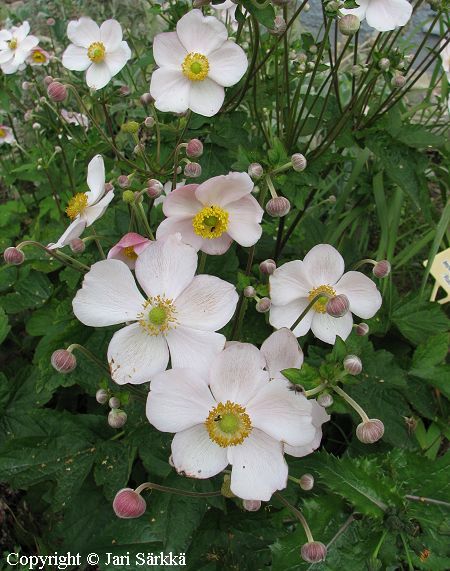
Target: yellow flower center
(210, 222)
(2, 133)
(38, 57)
(76, 205)
(130, 253)
(158, 315)
(96, 52)
(228, 424)
(321, 304)
(12, 44)
(195, 66)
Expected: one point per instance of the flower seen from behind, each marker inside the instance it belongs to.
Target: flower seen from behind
(128, 249)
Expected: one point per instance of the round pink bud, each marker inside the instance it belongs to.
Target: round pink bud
(108, 187)
(278, 206)
(57, 91)
(149, 122)
(362, 329)
(268, 266)
(255, 170)
(370, 431)
(299, 162)
(51, 21)
(279, 26)
(313, 552)
(352, 364)
(349, 25)
(63, 361)
(325, 400)
(129, 504)
(338, 306)
(251, 505)
(123, 181)
(263, 305)
(381, 269)
(114, 402)
(101, 396)
(47, 80)
(194, 148)
(398, 80)
(192, 170)
(117, 418)
(26, 85)
(307, 482)
(146, 99)
(249, 291)
(77, 246)
(154, 188)
(124, 91)
(13, 256)
(384, 64)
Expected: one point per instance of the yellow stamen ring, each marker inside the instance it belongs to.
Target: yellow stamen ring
(160, 318)
(38, 57)
(195, 66)
(228, 424)
(76, 205)
(12, 44)
(96, 52)
(321, 304)
(210, 222)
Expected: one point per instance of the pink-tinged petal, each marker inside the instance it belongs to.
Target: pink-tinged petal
(193, 348)
(363, 295)
(178, 399)
(216, 246)
(208, 303)
(282, 414)
(195, 455)
(168, 51)
(259, 468)
(83, 32)
(93, 213)
(286, 315)
(135, 357)
(326, 328)
(319, 417)
(75, 58)
(324, 265)
(244, 220)
(98, 75)
(109, 295)
(116, 60)
(290, 282)
(224, 189)
(385, 15)
(111, 34)
(182, 226)
(74, 230)
(182, 202)
(166, 267)
(117, 253)
(228, 64)
(281, 351)
(206, 97)
(170, 89)
(131, 240)
(95, 179)
(237, 373)
(202, 34)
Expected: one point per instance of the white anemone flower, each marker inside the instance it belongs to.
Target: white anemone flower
(226, 11)
(6, 135)
(382, 15)
(195, 64)
(295, 284)
(15, 46)
(180, 312)
(99, 50)
(233, 415)
(86, 207)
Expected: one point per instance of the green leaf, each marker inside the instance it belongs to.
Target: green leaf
(4, 326)
(264, 15)
(418, 320)
(308, 376)
(32, 290)
(113, 464)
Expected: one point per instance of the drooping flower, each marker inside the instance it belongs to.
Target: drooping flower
(74, 118)
(38, 56)
(295, 284)
(211, 215)
(235, 415)
(100, 51)
(15, 47)
(382, 15)
(128, 249)
(6, 135)
(180, 313)
(85, 208)
(195, 64)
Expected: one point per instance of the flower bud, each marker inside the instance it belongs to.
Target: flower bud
(123, 181)
(263, 305)
(63, 361)
(333, 6)
(352, 364)
(192, 170)
(399, 80)
(128, 196)
(278, 206)
(251, 505)
(268, 266)
(381, 269)
(130, 127)
(47, 80)
(146, 99)
(338, 306)
(36, 126)
(28, 115)
(370, 431)
(26, 85)
(225, 490)
(114, 402)
(149, 122)
(51, 21)
(299, 162)
(249, 291)
(313, 552)
(384, 64)
(101, 396)
(77, 246)
(194, 148)
(108, 187)
(13, 256)
(117, 418)
(139, 148)
(325, 400)
(124, 91)
(307, 482)
(129, 504)
(362, 329)
(349, 25)
(154, 191)
(57, 91)
(279, 26)
(255, 170)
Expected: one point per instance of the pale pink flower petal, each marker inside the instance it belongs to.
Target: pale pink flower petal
(363, 295)
(206, 97)
(83, 32)
(170, 89)
(224, 189)
(111, 34)
(201, 34)
(287, 315)
(319, 417)
(191, 347)
(182, 202)
(95, 179)
(182, 226)
(324, 265)
(228, 64)
(326, 328)
(168, 51)
(281, 351)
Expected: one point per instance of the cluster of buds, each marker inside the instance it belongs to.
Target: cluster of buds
(116, 417)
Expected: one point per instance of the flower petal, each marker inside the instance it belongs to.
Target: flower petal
(83, 32)
(178, 399)
(166, 267)
(244, 220)
(75, 58)
(192, 348)
(182, 202)
(93, 213)
(363, 295)
(109, 295)
(281, 351)
(202, 34)
(385, 15)
(195, 455)
(359, 12)
(228, 64)
(168, 51)
(324, 265)
(98, 75)
(259, 468)
(170, 89)
(74, 230)
(319, 417)
(286, 315)
(216, 246)
(22, 31)
(134, 356)
(116, 60)
(326, 328)
(224, 189)
(183, 226)
(95, 179)
(206, 97)
(290, 282)
(111, 34)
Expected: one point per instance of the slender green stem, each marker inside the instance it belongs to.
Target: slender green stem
(177, 491)
(316, 390)
(298, 514)
(319, 296)
(351, 402)
(201, 265)
(89, 355)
